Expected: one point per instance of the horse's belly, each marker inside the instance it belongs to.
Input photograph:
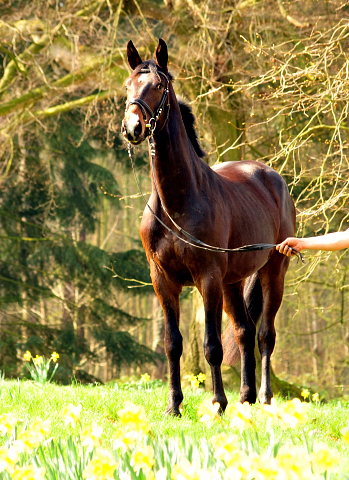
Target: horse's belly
(244, 264)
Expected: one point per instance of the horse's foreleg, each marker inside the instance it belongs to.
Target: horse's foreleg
(212, 294)
(168, 294)
(272, 282)
(244, 332)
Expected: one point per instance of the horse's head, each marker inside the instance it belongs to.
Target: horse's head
(147, 92)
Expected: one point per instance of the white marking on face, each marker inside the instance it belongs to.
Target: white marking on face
(131, 123)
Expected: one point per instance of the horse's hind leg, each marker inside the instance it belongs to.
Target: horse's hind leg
(168, 294)
(272, 281)
(212, 294)
(244, 332)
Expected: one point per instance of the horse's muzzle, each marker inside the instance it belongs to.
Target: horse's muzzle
(132, 129)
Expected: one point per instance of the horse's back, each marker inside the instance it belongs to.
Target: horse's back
(258, 177)
(247, 171)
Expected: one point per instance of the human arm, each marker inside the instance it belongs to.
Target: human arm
(329, 242)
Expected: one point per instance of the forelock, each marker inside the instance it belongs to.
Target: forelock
(149, 66)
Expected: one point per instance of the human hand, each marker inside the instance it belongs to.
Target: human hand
(287, 245)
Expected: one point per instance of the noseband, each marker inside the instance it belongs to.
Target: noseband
(154, 116)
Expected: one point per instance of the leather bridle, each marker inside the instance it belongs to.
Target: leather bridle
(151, 124)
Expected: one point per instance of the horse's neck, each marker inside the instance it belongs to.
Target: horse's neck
(177, 166)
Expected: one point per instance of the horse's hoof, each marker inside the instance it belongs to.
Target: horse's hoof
(174, 411)
(247, 395)
(265, 397)
(223, 402)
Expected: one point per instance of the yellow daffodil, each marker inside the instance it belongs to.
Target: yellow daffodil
(305, 393)
(41, 427)
(133, 417)
(227, 449)
(145, 378)
(27, 356)
(71, 414)
(270, 412)
(345, 434)
(201, 377)
(29, 472)
(9, 457)
(38, 360)
(124, 439)
(91, 436)
(193, 379)
(143, 458)
(293, 462)
(7, 423)
(262, 467)
(323, 458)
(31, 438)
(293, 412)
(101, 467)
(55, 356)
(315, 397)
(27, 441)
(240, 415)
(184, 470)
(208, 411)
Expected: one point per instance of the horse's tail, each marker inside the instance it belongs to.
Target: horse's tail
(254, 303)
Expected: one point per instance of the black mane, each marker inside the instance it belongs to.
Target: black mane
(189, 123)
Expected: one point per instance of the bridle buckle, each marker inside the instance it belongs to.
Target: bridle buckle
(151, 125)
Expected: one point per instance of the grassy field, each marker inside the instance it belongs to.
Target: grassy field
(27, 401)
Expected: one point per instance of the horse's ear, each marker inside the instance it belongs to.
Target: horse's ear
(133, 56)
(161, 54)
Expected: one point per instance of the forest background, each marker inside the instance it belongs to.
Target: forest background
(268, 80)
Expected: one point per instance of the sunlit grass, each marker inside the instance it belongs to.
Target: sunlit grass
(77, 410)
(101, 404)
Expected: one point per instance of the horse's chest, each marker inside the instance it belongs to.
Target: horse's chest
(168, 253)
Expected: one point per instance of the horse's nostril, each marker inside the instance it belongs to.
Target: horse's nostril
(138, 129)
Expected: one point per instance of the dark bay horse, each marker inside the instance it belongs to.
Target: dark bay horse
(227, 206)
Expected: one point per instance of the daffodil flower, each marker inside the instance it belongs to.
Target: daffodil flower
(315, 397)
(133, 417)
(305, 393)
(55, 356)
(323, 458)
(29, 472)
(91, 436)
(124, 439)
(38, 360)
(7, 423)
(145, 378)
(101, 467)
(27, 356)
(71, 414)
(9, 457)
(208, 411)
(345, 434)
(293, 412)
(143, 458)
(240, 415)
(227, 449)
(293, 461)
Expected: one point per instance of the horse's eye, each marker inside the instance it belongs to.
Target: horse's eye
(160, 86)
(125, 87)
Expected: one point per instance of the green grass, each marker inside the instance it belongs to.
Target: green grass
(101, 404)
